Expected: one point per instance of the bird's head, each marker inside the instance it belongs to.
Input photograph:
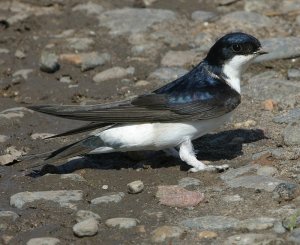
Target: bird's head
(236, 48)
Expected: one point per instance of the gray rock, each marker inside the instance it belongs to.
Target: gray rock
(291, 116)
(11, 155)
(291, 134)
(253, 239)
(233, 173)
(292, 221)
(210, 223)
(204, 16)
(113, 73)
(135, 187)
(93, 59)
(8, 216)
(88, 227)
(162, 233)
(3, 138)
(189, 181)
(90, 8)
(255, 224)
(43, 241)
(233, 198)
(179, 58)
(266, 183)
(64, 198)
(267, 171)
(259, 6)
(74, 177)
(82, 215)
(167, 74)
(65, 79)
(285, 191)
(4, 51)
(22, 73)
(294, 236)
(20, 54)
(36, 136)
(133, 20)
(79, 43)
(117, 197)
(49, 62)
(149, 48)
(16, 112)
(278, 228)
(280, 48)
(294, 73)
(122, 223)
(246, 19)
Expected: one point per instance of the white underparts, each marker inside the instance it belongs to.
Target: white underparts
(234, 68)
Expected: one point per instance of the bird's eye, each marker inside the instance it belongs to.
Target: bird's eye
(236, 48)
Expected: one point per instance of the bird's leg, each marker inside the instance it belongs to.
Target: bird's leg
(187, 154)
(172, 152)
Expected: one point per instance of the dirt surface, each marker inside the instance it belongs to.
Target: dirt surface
(251, 131)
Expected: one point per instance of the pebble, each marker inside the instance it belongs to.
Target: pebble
(104, 187)
(133, 20)
(233, 198)
(113, 73)
(88, 227)
(3, 138)
(82, 215)
(203, 16)
(279, 228)
(210, 222)
(86, 61)
(49, 62)
(255, 224)
(142, 83)
(8, 216)
(179, 58)
(36, 136)
(135, 187)
(24, 73)
(291, 134)
(267, 171)
(294, 236)
(293, 73)
(11, 155)
(161, 234)
(74, 177)
(79, 43)
(64, 198)
(291, 116)
(16, 112)
(189, 181)
(115, 197)
(90, 8)
(176, 196)
(20, 54)
(43, 241)
(246, 124)
(167, 74)
(207, 234)
(269, 105)
(65, 79)
(280, 48)
(253, 239)
(4, 51)
(285, 191)
(122, 223)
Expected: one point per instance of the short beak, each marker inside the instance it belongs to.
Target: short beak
(261, 51)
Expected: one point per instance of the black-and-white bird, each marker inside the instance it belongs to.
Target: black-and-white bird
(169, 117)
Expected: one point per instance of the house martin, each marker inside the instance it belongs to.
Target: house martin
(170, 117)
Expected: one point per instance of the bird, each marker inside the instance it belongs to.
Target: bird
(170, 117)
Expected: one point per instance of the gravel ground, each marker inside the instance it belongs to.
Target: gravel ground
(79, 52)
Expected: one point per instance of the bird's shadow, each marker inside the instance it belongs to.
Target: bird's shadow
(212, 147)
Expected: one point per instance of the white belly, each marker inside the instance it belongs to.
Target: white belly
(155, 136)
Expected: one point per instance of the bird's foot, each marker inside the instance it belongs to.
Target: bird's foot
(210, 168)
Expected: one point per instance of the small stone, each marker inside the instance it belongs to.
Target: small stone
(43, 241)
(74, 177)
(90, 8)
(117, 197)
(20, 54)
(233, 198)
(4, 51)
(88, 227)
(176, 196)
(141, 83)
(3, 138)
(293, 73)
(135, 187)
(63, 197)
(179, 58)
(189, 181)
(113, 73)
(285, 191)
(252, 224)
(161, 234)
(210, 223)
(294, 236)
(24, 73)
(122, 223)
(82, 215)
(49, 62)
(289, 117)
(79, 43)
(16, 112)
(11, 155)
(246, 124)
(207, 234)
(278, 228)
(167, 74)
(105, 187)
(8, 216)
(36, 136)
(65, 79)
(291, 134)
(203, 16)
(269, 105)
(253, 239)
